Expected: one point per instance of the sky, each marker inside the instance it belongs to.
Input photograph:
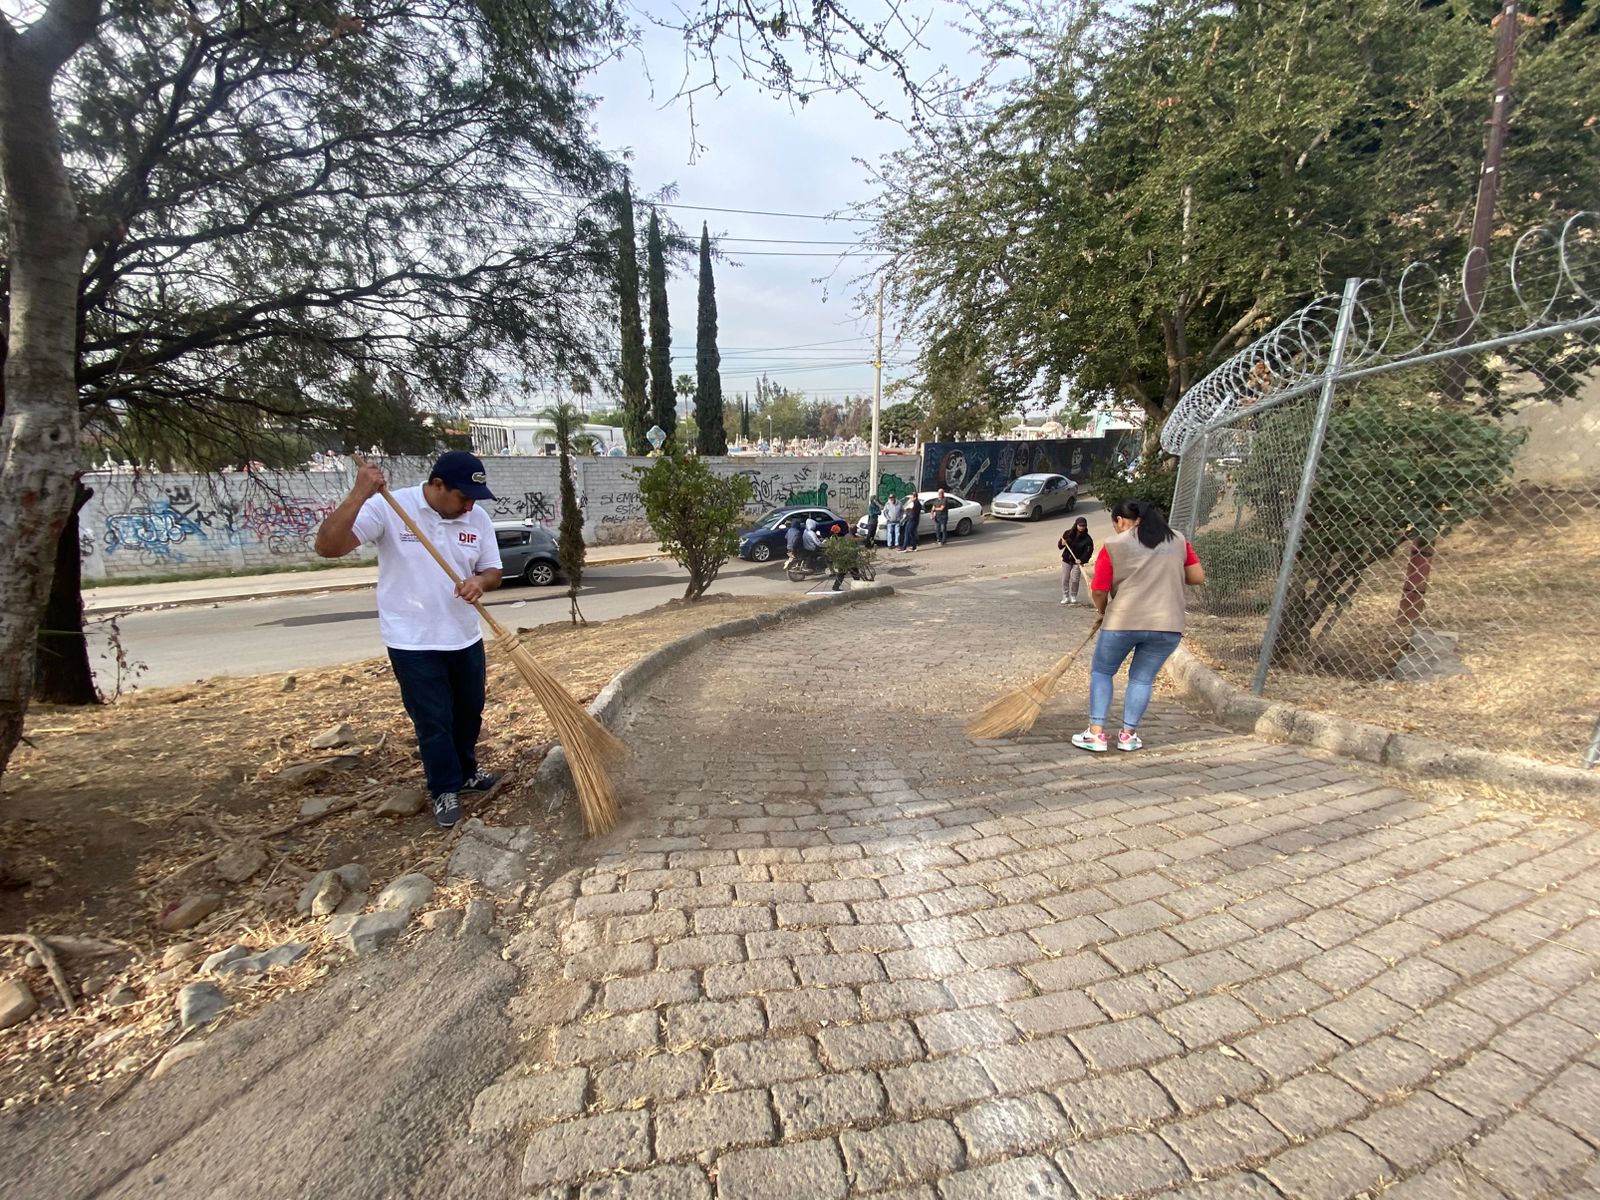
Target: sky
(785, 306)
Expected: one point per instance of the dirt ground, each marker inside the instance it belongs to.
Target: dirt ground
(107, 813)
(1522, 591)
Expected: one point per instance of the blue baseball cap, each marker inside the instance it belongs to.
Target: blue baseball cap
(464, 472)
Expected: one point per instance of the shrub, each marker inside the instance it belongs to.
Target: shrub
(845, 555)
(1241, 566)
(1149, 478)
(695, 513)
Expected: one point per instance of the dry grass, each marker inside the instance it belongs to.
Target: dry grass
(107, 811)
(1523, 592)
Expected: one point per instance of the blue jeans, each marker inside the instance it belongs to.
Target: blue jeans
(940, 525)
(892, 532)
(443, 691)
(1150, 649)
(908, 533)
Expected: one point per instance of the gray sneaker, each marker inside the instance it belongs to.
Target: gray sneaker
(447, 809)
(483, 781)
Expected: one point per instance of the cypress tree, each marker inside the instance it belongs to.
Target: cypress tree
(712, 437)
(635, 405)
(663, 396)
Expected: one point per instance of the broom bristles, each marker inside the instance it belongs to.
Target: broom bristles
(1017, 711)
(589, 745)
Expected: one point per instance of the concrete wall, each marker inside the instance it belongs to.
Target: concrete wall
(140, 525)
(1563, 440)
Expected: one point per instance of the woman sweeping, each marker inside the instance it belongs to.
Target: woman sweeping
(1137, 588)
(1076, 547)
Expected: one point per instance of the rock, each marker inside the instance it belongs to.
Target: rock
(33, 960)
(278, 897)
(327, 898)
(331, 739)
(406, 894)
(313, 886)
(443, 919)
(339, 925)
(372, 931)
(353, 902)
(182, 952)
(489, 865)
(175, 1056)
(189, 911)
(200, 1004)
(288, 683)
(302, 773)
(480, 917)
(260, 963)
(343, 762)
(240, 862)
(121, 995)
(16, 1003)
(354, 876)
(402, 802)
(316, 806)
(162, 980)
(83, 947)
(347, 679)
(214, 963)
(493, 834)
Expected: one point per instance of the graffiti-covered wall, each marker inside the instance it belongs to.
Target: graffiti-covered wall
(980, 470)
(144, 524)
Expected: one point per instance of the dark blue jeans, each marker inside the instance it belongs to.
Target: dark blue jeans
(941, 525)
(908, 534)
(443, 691)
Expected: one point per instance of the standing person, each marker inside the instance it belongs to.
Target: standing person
(1076, 548)
(874, 512)
(1137, 587)
(910, 518)
(892, 515)
(941, 517)
(428, 623)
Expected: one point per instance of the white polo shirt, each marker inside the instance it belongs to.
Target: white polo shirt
(418, 608)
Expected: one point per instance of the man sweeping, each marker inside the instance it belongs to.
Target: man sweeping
(428, 624)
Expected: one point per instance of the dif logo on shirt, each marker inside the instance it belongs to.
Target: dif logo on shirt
(466, 538)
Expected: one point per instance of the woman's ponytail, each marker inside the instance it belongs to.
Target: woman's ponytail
(1153, 528)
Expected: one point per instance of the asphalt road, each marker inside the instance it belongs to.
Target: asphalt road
(310, 629)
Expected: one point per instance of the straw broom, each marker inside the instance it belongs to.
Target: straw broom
(589, 744)
(1017, 711)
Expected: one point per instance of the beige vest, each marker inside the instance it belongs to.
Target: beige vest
(1146, 585)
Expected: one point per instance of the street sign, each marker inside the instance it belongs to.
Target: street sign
(655, 435)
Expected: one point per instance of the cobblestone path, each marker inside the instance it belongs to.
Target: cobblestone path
(840, 949)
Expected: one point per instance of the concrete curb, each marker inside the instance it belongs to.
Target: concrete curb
(552, 781)
(1405, 753)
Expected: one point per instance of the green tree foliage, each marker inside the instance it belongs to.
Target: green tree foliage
(635, 399)
(1156, 187)
(696, 513)
(712, 437)
(900, 422)
(663, 398)
(566, 428)
(1397, 467)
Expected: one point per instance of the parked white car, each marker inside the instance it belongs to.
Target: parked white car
(965, 516)
(1033, 497)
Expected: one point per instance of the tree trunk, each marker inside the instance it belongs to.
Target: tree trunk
(61, 672)
(39, 432)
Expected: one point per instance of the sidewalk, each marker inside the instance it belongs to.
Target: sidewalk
(104, 600)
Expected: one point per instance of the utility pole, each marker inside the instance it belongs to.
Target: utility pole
(877, 399)
(1477, 268)
(1419, 560)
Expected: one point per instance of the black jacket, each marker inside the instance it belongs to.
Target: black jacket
(1080, 547)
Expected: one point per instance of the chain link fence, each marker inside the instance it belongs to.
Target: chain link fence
(1396, 496)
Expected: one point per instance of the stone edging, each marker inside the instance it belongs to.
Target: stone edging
(553, 780)
(1418, 757)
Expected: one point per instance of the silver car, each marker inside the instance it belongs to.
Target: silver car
(1034, 497)
(528, 553)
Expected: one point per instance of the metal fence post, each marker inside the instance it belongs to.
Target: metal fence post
(1186, 497)
(1308, 479)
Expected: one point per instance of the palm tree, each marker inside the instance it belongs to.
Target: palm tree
(566, 430)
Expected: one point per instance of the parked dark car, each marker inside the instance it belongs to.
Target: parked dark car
(763, 541)
(528, 553)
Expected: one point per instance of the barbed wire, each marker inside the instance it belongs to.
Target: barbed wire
(1551, 280)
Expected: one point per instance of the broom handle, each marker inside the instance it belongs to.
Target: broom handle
(1060, 669)
(499, 630)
